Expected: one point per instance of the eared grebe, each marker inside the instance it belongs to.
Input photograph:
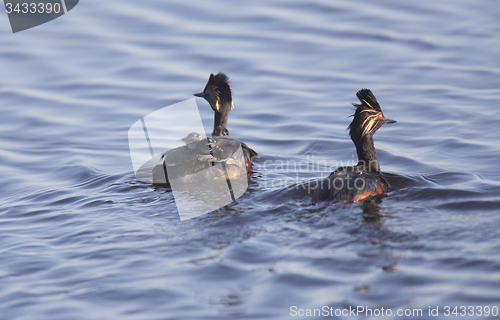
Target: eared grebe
(218, 94)
(355, 183)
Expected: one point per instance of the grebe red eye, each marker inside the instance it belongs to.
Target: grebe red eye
(380, 116)
(206, 91)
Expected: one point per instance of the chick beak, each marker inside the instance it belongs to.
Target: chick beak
(201, 95)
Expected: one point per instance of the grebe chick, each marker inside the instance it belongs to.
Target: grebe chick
(195, 147)
(218, 94)
(197, 155)
(191, 139)
(355, 183)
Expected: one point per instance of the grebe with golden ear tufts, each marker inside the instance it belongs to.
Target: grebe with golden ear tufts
(355, 183)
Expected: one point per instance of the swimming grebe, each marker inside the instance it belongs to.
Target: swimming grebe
(218, 94)
(355, 183)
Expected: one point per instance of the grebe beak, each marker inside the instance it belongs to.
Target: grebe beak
(201, 95)
(385, 120)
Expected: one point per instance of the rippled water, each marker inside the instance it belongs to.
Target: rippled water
(80, 238)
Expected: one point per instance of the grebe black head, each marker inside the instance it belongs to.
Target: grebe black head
(353, 184)
(368, 118)
(218, 94)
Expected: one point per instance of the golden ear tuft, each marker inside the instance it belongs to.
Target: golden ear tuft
(370, 122)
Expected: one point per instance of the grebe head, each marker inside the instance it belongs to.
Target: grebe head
(217, 92)
(368, 117)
